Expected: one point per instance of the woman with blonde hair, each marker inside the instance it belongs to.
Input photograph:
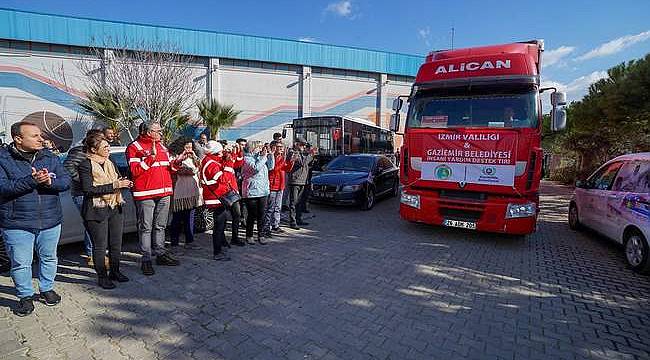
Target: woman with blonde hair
(102, 186)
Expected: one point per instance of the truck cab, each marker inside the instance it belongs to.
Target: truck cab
(472, 155)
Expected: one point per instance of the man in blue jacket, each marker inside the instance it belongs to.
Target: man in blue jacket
(31, 179)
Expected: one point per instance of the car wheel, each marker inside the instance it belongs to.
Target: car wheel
(574, 220)
(395, 191)
(637, 252)
(5, 264)
(369, 200)
(203, 220)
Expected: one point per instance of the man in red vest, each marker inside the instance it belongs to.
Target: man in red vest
(152, 189)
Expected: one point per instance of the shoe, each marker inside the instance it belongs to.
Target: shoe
(250, 241)
(278, 230)
(221, 257)
(25, 306)
(50, 298)
(147, 268)
(105, 283)
(294, 226)
(238, 243)
(191, 246)
(117, 276)
(261, 241)
(267, 234)
(303, 223)
(166, 260)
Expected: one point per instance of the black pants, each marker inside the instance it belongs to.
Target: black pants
(235, 214)
(256, 210)
(103, 234)
(296, 194)
(219, 229)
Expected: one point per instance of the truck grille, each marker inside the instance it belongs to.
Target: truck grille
(458, 214)
(463, 195)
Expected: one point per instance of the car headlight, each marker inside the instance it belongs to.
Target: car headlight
(521, 210)
(350, 188)
(410, 200)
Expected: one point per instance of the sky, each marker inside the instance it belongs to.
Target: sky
(583, 38)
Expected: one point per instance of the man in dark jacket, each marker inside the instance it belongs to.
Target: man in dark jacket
(298, 177)
(75, 156)
(31, 179)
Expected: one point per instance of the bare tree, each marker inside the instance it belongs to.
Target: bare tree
(154, 82)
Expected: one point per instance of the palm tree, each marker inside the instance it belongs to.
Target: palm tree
(106, 108)
(217, 116)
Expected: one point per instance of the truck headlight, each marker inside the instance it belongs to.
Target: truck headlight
(350, 188)
(521, 210)
(410, 200)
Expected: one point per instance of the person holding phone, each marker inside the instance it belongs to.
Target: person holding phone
(187, 194)
(102, 211)
(256, 189)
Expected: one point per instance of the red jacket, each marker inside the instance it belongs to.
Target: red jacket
(151, 174)
(277, 176)
(229, 164)
(213, 181)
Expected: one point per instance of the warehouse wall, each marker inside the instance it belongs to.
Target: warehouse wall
(42, 81)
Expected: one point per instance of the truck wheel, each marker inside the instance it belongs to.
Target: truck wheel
(637, 252)
(369, 201)
(574, 220)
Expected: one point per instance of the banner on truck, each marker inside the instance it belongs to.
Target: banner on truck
(472, 157)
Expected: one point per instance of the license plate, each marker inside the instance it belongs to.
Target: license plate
(460, 224)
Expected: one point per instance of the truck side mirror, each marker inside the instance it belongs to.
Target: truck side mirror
(558, 119)
(558, 115)
(397, 104)
(558, 98)
(284, 133)
(394, 122)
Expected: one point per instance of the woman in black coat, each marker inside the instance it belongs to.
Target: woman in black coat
(102, 186)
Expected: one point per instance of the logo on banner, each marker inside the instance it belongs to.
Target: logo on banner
(489, 170)
(442, 172)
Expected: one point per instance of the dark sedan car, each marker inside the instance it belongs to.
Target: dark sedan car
(355, 179)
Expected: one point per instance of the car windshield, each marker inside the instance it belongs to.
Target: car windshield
(351, 163)
(514, 110)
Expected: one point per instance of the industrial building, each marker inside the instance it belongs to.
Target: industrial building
(272, 81)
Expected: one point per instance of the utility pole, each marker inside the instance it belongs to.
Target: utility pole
(452, 37)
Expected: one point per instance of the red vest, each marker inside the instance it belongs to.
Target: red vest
(151, 174)
(213, 181)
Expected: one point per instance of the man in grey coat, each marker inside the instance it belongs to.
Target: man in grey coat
(298, 177)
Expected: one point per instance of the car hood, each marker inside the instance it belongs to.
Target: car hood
(339, 177)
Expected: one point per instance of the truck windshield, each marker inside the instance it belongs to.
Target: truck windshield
(518, 110)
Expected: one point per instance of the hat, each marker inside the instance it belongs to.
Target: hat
(213, 147)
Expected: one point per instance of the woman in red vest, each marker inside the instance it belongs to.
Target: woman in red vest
(216, 181)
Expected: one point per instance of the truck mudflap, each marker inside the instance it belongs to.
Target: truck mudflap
(487, 215)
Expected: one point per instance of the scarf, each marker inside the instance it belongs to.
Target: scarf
(103, 175)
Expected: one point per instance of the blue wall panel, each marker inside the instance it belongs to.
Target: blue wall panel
(56, 29)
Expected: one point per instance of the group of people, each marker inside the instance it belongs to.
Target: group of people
(244, 180)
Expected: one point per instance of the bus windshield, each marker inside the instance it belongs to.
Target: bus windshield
(518, 110)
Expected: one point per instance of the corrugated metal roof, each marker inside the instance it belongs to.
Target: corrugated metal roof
(66, 30)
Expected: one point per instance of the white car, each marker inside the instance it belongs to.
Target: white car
(615, 201)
